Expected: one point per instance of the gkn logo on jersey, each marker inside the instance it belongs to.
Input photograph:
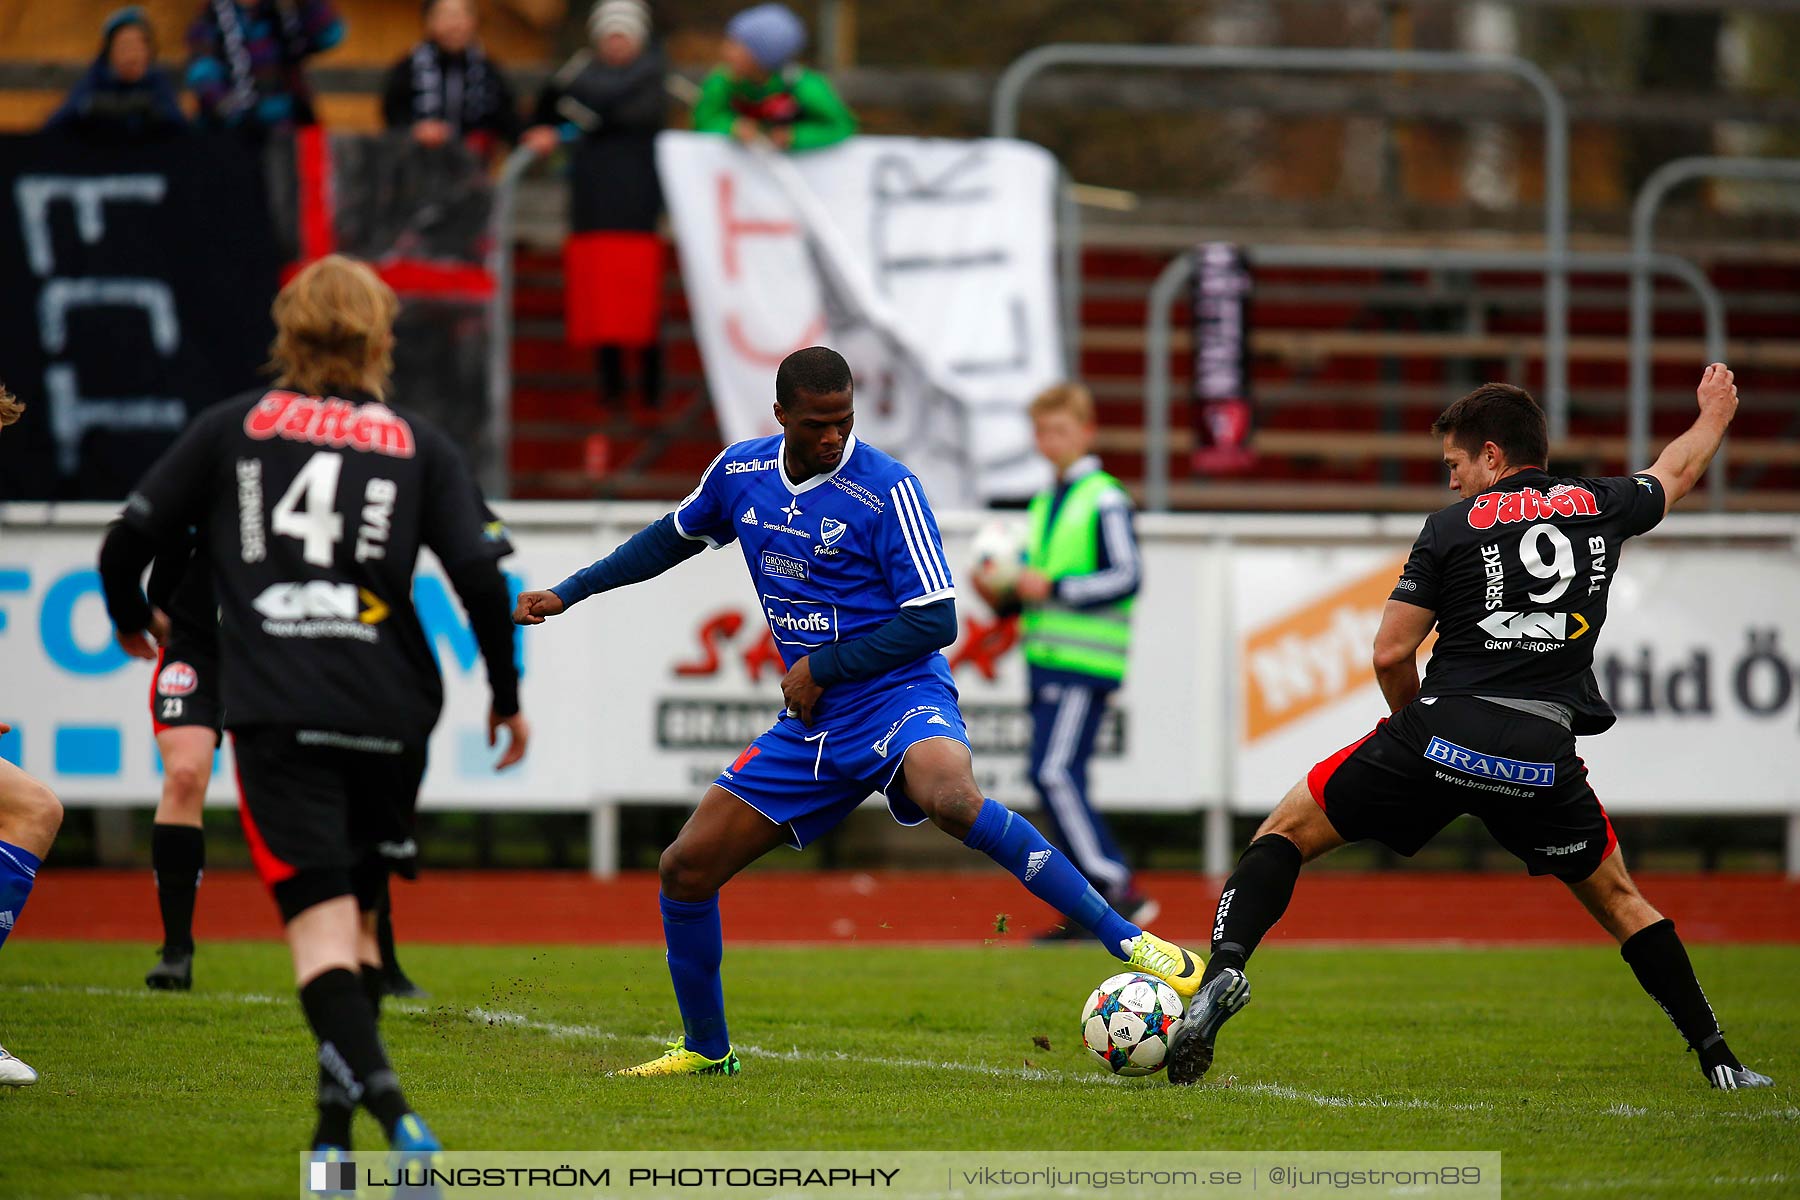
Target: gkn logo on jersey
(318, 608)
(799, 622)
(1504, 627)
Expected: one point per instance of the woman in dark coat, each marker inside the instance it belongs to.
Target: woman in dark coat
(607, 104)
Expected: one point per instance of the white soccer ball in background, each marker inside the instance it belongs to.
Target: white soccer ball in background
(1126, 1023)
(999, 548)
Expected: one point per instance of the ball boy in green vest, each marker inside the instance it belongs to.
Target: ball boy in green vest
(1075, 596)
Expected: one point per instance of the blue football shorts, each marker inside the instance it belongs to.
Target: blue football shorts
(809, 778)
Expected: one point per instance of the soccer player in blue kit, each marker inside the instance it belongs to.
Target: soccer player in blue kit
(845, 556)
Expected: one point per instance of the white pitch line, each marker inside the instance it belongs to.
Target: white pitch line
(478, 1015)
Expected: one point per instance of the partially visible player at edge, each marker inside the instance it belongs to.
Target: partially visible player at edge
(1516, 579)
(30, 815)
(313, 499)
(845, 554)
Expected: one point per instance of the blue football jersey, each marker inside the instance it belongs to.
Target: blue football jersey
(832, 558)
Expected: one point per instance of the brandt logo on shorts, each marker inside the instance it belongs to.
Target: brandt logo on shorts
(1490, 766)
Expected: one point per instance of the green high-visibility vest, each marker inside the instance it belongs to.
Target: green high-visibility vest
(1094, 641)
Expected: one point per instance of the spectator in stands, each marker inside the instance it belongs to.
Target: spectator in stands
(246, 62)
(607, 104)
(447, 88)
(124, 93)
(759, 91)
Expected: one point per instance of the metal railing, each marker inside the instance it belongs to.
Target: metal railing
(1175, 276)
(1023, 69)
(1643, 228)
(498, 480)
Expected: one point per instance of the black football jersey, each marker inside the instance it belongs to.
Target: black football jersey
(312, 511)
(1518, 577)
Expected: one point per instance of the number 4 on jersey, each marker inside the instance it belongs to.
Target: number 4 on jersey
(308, 509)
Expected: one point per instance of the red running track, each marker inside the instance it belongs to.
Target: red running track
(511, 907)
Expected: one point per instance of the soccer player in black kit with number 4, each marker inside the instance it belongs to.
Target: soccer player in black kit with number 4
(1515, 578)
(313, 499)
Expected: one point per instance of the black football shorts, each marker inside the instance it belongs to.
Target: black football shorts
(185, 689)
(337, 809)
(1441, 757)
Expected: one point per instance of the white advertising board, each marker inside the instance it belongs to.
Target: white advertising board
(1700, 657)
(641, 694)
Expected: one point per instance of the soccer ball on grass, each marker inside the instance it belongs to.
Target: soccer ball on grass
(1126, 1023)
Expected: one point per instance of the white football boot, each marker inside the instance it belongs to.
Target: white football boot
(14, 1073)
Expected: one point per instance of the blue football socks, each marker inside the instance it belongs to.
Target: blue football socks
(696, 948)
(18, 870)
(1015, 844)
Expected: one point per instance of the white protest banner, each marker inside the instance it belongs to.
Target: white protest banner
(928, 263)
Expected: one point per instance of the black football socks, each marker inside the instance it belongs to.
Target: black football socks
(350, 1051)
(178, 856)
(1660, 962)
(1253, 900)
(336, 1108)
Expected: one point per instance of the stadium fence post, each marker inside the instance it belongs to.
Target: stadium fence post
(497, 480)
(603, 838)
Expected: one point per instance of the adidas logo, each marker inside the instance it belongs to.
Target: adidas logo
(938, 721)
(749, 517)
(1034, 862)
(6, 919)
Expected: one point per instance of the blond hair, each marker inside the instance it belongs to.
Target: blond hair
(334, 328)
(1071, 397)
(10, 408)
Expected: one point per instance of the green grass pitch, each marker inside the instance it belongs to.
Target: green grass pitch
(1552, 1056)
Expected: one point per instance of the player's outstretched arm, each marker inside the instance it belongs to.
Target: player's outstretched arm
(1683, 461)
(645, 555)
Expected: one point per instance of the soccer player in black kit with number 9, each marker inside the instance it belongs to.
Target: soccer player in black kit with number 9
(312, 500)
(1515, 578)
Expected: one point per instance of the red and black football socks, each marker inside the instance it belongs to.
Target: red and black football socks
(696, 944)
(350, 1049)
(18, 871)
(1660, 962)
(1255, 896)
(1014, 843)
(178, 859)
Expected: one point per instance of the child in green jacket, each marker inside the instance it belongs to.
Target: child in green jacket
(759, 91)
